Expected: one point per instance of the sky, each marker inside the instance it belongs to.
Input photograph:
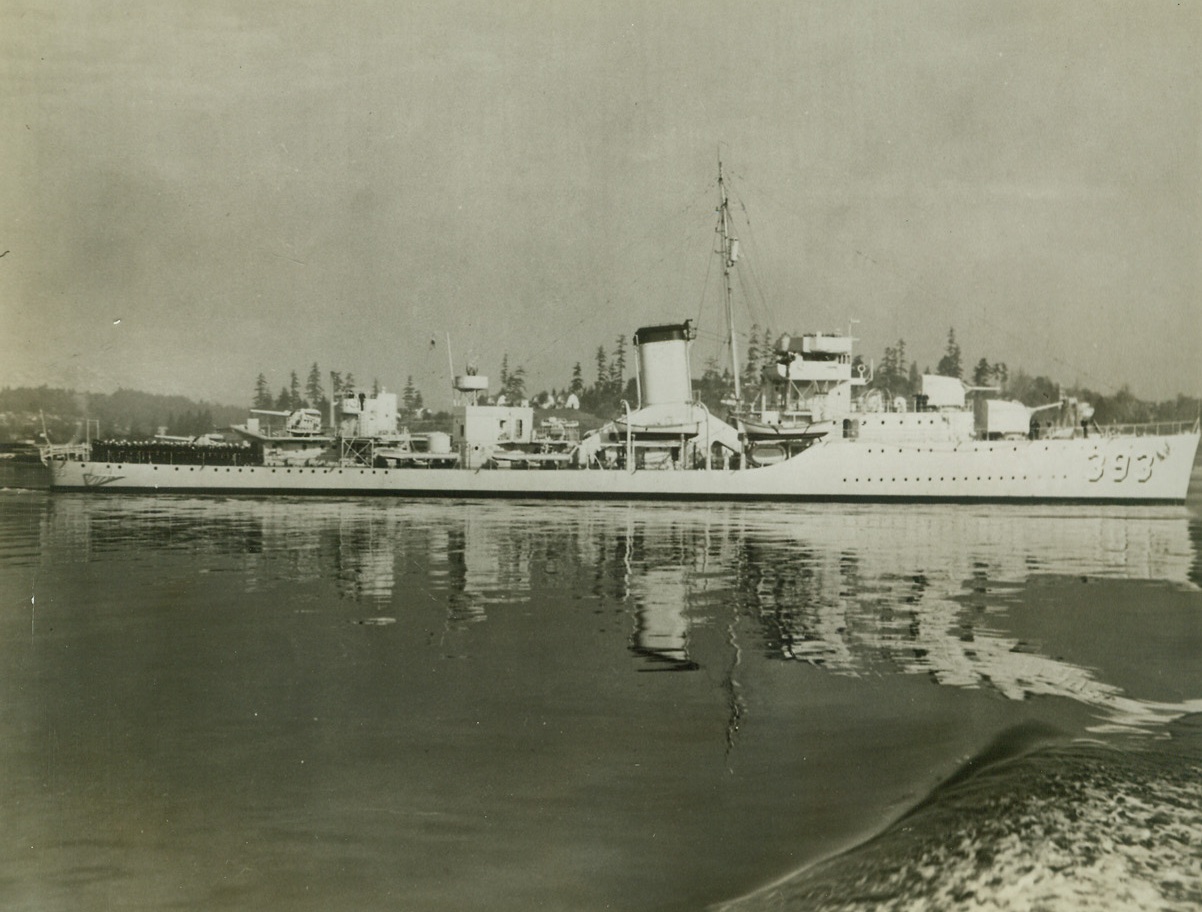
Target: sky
(196, 191)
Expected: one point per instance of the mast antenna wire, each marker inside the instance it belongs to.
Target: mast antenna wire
(709, 269)
(765, 202)
(917, 283)
(768, 314)
(569, 330)
(1108, 385)
(753, 294)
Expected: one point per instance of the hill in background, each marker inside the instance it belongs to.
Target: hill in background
(124, 413)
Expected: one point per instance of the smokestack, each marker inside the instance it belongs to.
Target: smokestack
(663, 355)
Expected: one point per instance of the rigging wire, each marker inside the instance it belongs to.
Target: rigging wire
(753, 246)
(823, 308)
(753, 292)
(570, 330)
(1013, 336)
(709, 270)
(915, 282)
(759, 308)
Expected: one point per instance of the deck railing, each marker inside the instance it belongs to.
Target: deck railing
(73, 452)
(1148, 429)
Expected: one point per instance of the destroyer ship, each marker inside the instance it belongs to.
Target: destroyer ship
(818, 432)
(815, 430)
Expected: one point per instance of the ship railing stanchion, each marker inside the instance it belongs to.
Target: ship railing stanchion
(629, 439)
(708, 444)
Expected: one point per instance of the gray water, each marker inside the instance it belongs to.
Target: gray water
(296, 704)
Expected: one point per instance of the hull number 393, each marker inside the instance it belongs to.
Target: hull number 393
(1120, 466)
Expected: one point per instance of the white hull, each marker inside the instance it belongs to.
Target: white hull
(1101, 469)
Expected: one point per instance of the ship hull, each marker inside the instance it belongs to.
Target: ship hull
(1152, 469)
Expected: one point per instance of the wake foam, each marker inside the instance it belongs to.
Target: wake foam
(1025, 825)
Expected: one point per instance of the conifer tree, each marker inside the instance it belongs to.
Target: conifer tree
(617, 365)
(410, 394)
(892, 374)
(514, 387)
(262, 398)
(949, 365)
(982, 373)
(752, 366)
(313, 391)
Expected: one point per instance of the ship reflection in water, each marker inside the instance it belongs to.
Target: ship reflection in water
(854, 591)
(476, 692)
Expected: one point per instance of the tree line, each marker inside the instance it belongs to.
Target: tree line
(603, 396)
(313, 394)
(895, 374)
(135, 414)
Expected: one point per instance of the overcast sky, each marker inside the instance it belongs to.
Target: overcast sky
(194, 192)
